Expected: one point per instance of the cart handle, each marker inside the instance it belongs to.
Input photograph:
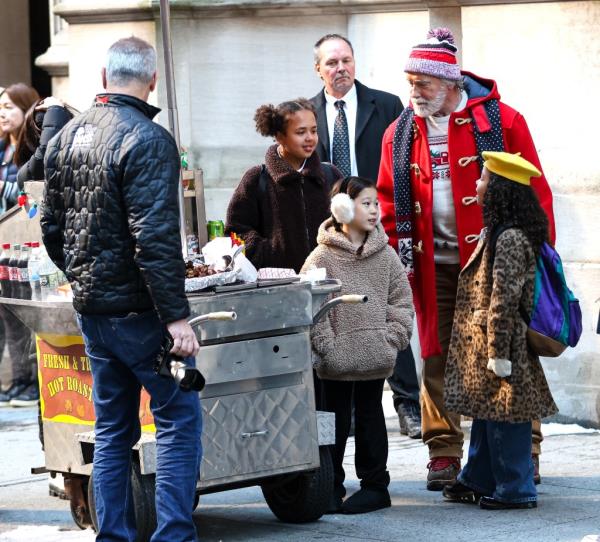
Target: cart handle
(348, 298)
(221, 315)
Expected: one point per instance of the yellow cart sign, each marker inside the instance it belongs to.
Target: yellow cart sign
(66, 382)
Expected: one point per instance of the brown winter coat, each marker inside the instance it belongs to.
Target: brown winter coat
(361, 342)
(279, 225)
(487, 324)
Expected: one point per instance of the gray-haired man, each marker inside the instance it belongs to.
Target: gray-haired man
(111, 223)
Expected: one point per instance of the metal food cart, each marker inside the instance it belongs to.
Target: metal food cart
(260, 423)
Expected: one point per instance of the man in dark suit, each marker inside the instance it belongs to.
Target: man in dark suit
(351, 120)
(368, 111)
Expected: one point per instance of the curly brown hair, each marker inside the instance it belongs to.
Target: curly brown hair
(508, 203)
(271, 120)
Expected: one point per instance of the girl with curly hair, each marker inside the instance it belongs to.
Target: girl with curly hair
(491, 375)
(278, 206)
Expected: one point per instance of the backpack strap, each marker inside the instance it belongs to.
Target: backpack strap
(493, 241)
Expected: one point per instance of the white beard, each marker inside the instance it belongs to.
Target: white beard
(426, 108)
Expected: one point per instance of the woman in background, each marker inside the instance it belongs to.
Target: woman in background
(15, 101)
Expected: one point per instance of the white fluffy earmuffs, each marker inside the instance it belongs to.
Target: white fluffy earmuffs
(342, 208)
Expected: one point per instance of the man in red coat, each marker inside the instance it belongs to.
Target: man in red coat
(430, 161)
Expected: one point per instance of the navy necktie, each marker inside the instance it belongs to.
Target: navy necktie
(340, 154)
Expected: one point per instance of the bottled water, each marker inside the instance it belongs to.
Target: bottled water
(35, 261)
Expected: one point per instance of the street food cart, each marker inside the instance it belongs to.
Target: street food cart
(260, 424)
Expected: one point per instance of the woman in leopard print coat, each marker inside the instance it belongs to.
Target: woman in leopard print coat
(491, 375)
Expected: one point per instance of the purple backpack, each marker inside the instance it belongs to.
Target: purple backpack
(555, 319)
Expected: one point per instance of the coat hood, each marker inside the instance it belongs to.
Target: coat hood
(376, 241)
(479, 89)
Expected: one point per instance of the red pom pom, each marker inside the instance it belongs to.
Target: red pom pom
(22, 200)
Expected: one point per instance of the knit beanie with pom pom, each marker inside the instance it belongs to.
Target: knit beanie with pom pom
(436, 56)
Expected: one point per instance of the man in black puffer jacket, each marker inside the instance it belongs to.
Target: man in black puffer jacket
(110, 221)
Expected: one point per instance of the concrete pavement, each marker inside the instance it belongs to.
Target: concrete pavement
(569, 499)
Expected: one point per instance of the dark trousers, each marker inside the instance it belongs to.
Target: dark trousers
(17, 339)
(371, 441)
(403, 382)
(122, 353)
(500, 464)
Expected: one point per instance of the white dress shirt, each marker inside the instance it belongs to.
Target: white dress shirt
(351, 109)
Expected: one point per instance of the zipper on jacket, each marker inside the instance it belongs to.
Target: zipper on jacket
(306, 236)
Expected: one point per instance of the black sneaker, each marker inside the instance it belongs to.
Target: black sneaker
(409, 416)
(16, 389)
(489, 503)
(28, 397)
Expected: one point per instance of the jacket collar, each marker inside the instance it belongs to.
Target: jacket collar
(366, 107)
(125, 99)
(481, 244)
(282, 172)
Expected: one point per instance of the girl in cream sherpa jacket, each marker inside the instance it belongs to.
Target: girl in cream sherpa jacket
(356, 345)
(361, 342)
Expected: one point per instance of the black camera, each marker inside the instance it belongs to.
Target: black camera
(169, 365)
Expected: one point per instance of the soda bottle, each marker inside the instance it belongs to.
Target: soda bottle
(34, 272)
(4, 280)
(13, 271)
(22, 266)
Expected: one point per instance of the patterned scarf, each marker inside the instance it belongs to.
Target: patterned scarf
(488, 138)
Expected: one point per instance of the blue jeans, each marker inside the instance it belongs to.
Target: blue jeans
(122, 351)
(500, 464)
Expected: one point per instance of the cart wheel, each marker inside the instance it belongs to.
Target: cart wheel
(142, 486)
(304, 497)
(80, 509)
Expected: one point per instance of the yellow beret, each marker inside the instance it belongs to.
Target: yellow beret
(510, 166)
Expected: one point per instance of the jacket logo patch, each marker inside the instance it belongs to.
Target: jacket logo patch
(83, 137)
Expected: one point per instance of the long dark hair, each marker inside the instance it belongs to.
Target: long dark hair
(29, 136)
(352, 186)
(508, 203)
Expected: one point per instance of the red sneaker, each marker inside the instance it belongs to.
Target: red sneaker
(442, 471)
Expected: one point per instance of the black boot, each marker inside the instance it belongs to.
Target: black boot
(367, 500)
(335, 503)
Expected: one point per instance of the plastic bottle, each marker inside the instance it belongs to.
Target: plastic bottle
(48, 276)
(23, 272)
(4, 278)
(13, 271)
(34, 272)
